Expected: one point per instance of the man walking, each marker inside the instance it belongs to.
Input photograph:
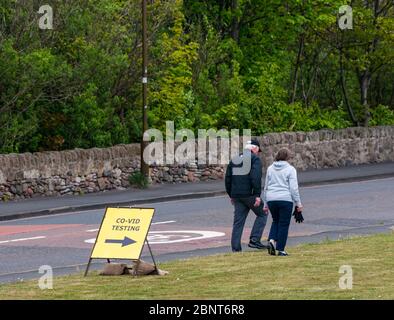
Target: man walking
(243, 185)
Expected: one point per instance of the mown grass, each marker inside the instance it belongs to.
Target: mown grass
(311, 272)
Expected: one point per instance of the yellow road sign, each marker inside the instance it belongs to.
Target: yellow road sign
(122, 233)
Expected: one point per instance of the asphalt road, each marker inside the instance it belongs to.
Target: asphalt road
(189, 228)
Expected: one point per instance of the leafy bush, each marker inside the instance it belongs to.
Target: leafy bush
(382, 116)
(296, 117)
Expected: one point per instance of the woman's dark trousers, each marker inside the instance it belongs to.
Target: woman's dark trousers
(281, 212)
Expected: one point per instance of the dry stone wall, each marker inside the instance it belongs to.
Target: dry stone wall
(332, 148)
(85, 171)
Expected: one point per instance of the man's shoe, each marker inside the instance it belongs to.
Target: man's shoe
(282, 253)
(271, 248)
(257, 245)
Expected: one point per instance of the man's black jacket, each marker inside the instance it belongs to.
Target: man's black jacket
(249, 182)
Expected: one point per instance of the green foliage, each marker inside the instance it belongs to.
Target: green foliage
(296, 117)
(260, 65)
(138, 180)
(79, 85)
(172, 83)
(382, 116)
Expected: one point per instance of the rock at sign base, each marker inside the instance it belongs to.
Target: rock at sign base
(144, 268)
(114, 269)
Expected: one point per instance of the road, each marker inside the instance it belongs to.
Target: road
(188, 228)
(39, 206)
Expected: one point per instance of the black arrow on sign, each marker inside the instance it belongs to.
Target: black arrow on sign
(125, 242)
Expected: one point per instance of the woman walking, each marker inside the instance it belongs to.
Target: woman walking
(280, 194)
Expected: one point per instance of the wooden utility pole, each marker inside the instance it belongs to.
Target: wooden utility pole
(144, 165)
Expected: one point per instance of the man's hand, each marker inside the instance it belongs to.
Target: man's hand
(232, 201)
(257, 202)
(299, 208)
(266, 209)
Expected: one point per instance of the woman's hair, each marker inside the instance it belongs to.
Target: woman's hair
(283, 155)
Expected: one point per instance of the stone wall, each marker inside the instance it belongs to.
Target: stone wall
(67, 172)
(86, 171)
(332, 148)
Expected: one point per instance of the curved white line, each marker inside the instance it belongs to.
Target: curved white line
(203, 235)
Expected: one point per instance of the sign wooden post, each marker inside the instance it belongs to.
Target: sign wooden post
(122, 235)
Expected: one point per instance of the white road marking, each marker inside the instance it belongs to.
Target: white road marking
(164, 237)
(23, 239)
(153, 223)
(163, 222)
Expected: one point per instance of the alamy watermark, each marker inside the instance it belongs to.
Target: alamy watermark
(345, 18)
(46, 281)
(180, 147)
(346, 281)
(345, 21)
(45, 22)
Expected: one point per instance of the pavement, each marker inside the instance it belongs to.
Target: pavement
(42, 206)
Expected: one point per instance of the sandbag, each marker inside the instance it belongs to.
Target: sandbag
(143, 269)
(115, 269)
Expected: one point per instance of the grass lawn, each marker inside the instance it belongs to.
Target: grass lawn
(311, 272)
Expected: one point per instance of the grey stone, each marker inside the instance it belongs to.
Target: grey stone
(117, 173)
(24, 187)
(167, 177)
(107, 173)
(2, 178)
